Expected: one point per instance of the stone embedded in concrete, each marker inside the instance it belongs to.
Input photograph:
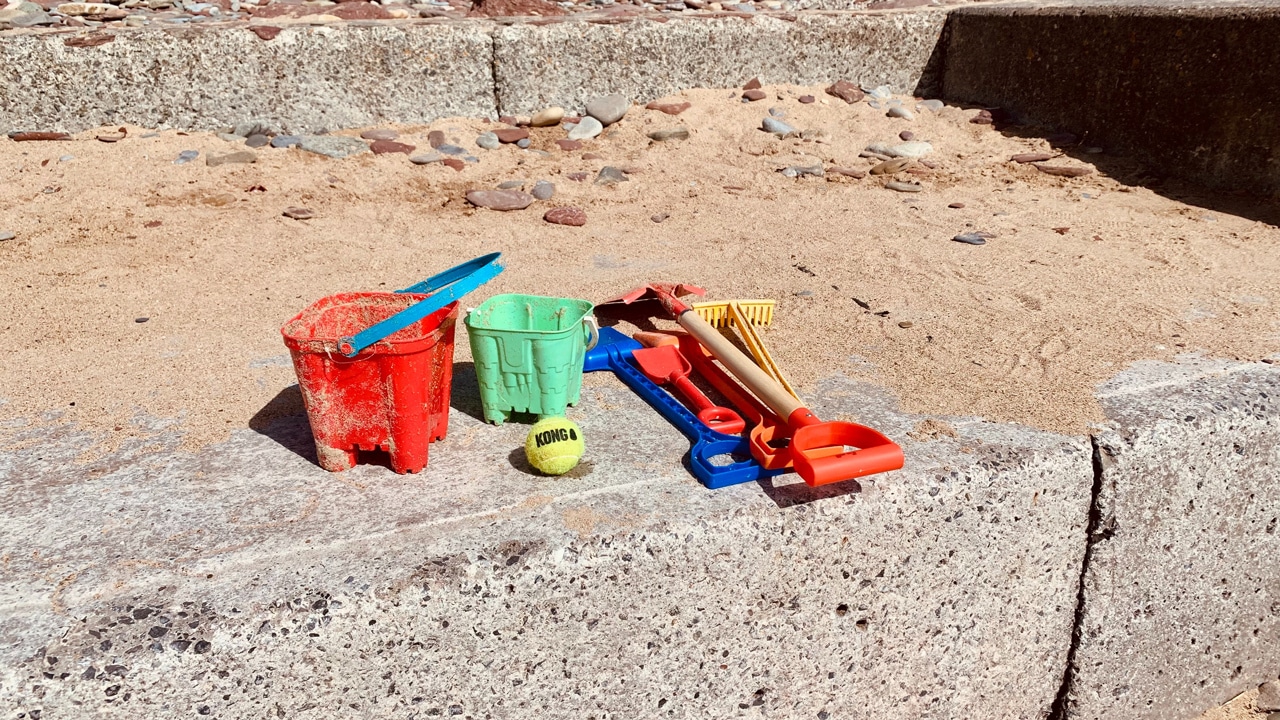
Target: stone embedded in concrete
(1193, 89)
(307, 79)
(245, 580)
(1182, 594)
(567, 63)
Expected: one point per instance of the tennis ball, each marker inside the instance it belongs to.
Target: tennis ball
(554, 445)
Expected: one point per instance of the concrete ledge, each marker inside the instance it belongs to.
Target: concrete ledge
(1193, 90)
(1182, 592)
(478, 590)
(567, 63)
(306, 79)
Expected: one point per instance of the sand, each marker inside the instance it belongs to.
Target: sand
(1022, 329)
(1241, 707)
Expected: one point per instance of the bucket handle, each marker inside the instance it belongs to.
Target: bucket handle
(442, 288)
(593, 331)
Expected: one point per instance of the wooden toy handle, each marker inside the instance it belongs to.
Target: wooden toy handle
(744, 368)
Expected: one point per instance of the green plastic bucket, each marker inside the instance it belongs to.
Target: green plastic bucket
(528, 352)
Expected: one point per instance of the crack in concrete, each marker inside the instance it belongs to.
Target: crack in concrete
(1097, 530)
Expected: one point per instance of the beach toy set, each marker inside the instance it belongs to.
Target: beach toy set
(376, 371)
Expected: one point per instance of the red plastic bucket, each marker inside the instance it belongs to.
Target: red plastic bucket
(393, 395)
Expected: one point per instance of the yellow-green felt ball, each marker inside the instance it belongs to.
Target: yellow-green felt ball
(554, 445)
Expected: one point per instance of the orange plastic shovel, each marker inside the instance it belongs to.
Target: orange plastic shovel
(822, 452)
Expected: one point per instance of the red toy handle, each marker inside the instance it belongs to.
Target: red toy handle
(814, 442)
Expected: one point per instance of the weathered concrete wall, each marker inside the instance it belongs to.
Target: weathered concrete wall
(1182, 591)
(245, 580)
(568, 63)
(306, 79)
(357, 74)
(1193, 90)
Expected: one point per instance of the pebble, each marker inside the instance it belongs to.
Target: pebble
(778, 112)
(235, 158)
(752, 84)
(901, 186)
(80, 9)
(659, 217)
(807, 99)
(186, 156)
(1063, 170)
(435, 138)
(930, 105)
(382, 147)
(298, 213)
(897, 111)
(848, 172)
(507, 120)
(511, 185)
(112, 137)
(610, 175)
(753, 95)
(913, 149)
(905, 324)
(426, 158)
(891, 167)
(524, 144)
(608, 109)
(803, 293)
(907, 135)
(7, 235)
(777, 127)
(488, 141)
(799, 170)
(547, 117)
(669, 108)
(66, 158)
(141, 320)
(380, 134)
(587, 129)
(500, 199)
(334, 146)
(568, 145)
(454, 163)
(25, 14)
(285, 141)
(1031, 157)
(229, 137)
(678, 133)
(254, 127)
(983, 117)
(448, 149)
(511, 135)
(846, 91)
(543, 190)
(970, 239)
(592, 156)
(1269, 696)
(571, 216)
(956, 206)
(257, 141)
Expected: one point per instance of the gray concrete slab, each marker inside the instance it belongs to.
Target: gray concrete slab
(242, 580)
(567, 63)
(306, 79)
(1182, 593)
